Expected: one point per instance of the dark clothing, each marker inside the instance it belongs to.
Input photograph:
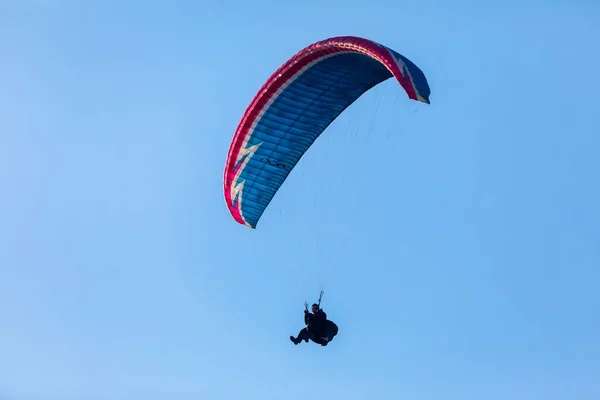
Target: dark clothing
(304, 334)
(307, 334)
(315, 319)
(316, 328)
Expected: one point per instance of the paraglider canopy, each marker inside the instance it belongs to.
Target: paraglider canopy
(295, 105)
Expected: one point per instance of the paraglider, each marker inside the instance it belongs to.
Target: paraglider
(295, 105)
(318, 328)
(289, 112)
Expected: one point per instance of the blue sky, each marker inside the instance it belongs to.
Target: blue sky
(458, 243)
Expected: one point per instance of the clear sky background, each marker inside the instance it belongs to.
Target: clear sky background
(458, 243)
